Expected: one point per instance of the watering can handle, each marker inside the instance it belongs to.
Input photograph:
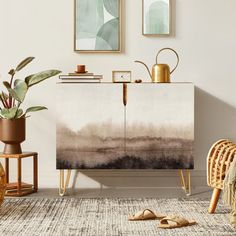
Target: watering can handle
(173, 52)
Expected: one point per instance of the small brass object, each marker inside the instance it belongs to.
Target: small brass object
(161, 72)
(64, 184)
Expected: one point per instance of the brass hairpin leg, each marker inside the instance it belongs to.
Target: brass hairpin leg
(186, 184)
(64, 185)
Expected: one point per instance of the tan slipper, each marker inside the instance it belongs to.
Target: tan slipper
(146, 214)
(171, 222)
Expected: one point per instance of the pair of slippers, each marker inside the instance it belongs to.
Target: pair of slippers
(166, 222)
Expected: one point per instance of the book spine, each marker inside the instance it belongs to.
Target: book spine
(79, 82)
(83, 74)
(80, 77)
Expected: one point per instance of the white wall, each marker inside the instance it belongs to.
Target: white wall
(204, 36)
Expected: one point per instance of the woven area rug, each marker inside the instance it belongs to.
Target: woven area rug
(106, 217)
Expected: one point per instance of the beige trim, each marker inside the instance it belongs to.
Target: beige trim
(100, 51)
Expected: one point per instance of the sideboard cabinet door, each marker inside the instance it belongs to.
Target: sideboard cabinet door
(160, 126)
(90, 126)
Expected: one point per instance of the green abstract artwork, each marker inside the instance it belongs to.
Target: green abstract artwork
(97, 25)
(156, 17)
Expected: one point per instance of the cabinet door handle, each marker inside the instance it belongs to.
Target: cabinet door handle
(125, 94)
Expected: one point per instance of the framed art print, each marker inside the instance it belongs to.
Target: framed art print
(97, 26)
(156, 17)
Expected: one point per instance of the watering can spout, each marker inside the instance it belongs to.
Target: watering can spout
(149, 72)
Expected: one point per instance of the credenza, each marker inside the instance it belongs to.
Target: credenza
(125, 126)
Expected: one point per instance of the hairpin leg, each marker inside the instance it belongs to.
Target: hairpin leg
(186, 184)
(64, 185)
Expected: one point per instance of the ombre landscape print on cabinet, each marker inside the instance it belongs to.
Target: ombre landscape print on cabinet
(155, 130)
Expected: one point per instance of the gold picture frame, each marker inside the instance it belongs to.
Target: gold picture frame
(100, 51)
(169, 25)
(120, 79)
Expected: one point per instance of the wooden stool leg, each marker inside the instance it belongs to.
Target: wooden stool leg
(19, 176)
(7, 170)
(35, 160)
(214, 200)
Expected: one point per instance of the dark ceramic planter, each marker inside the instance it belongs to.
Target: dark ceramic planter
(12, 133)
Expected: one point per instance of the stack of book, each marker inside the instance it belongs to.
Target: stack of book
(80, 78)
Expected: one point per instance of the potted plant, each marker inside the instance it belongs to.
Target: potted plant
(12, 116)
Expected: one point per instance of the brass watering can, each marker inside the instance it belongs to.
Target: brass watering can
(161, 72)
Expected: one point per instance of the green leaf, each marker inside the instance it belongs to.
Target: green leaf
(36, 108)
(19, 90)
(8, 113)
(17, 81)
(41, 76)
(19, 114)
(24, 63)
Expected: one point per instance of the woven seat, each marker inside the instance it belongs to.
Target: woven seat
(2, 184)
(219, 158)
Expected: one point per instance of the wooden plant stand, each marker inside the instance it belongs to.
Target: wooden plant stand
(20, 188)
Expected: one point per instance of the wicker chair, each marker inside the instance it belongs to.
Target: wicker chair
(219, 159)
(2, 184)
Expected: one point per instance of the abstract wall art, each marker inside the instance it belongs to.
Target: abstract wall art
(97, 26)
(156, 17)
(155, 130)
